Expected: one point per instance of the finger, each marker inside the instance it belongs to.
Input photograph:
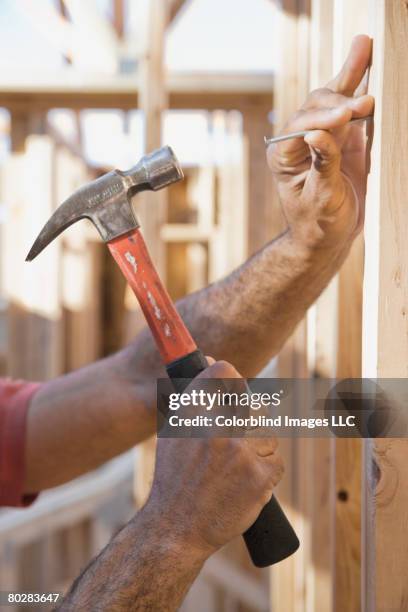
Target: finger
(354, 67)
(326, 155)
(325, 98)
(263, 447)
(220, 369)
(207, 381)
(322, 119)
(274, 468)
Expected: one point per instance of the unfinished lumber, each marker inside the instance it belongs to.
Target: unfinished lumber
(264, 218)
(81, 270)
(151, 206)
(350, 19)
(289, 587)
(32, 290)
(385, 332)
(322, 347)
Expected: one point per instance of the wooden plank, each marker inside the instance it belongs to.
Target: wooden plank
(20, 90)
(290, 582)
(226, 196)
(153, 102)
(322, 328)
(81, 269)
(350, 19)
(67, 504)
(175, 6)
(385, 348)
(152, 205)
(32, 290)
(265, 218)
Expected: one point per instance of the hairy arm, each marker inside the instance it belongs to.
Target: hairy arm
(205, 492)
(143, 568)
(80, 420)
(246, 317)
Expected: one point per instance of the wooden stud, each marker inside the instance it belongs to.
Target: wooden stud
(385, 347)
(152, 205)
(289, 588)
(350, 19)
(32, 290)
(322, 348)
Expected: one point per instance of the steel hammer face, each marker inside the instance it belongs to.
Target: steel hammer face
(107, 200)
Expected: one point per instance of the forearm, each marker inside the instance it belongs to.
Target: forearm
(78, 421)
(145, 567)
(246, 317)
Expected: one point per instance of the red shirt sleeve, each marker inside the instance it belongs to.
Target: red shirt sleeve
(15, 399)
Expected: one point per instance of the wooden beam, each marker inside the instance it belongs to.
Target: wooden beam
(175, 7)
(265, 218)
(322, 328)
(189, 90)
(152, 205)
(118, 17)
(385, 348)
(289, 584)
(32, 291)
(350, 19)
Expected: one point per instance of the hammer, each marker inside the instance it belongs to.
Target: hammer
(106, 201)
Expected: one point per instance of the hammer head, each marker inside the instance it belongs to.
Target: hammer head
(106, 201)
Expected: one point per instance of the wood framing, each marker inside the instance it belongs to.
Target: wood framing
(185, 90)
(385, 348)
(151, 206)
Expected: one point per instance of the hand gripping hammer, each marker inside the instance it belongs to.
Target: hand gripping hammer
(106, 201)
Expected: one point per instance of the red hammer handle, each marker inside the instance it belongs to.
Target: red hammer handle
(271, 538)
(173, 339)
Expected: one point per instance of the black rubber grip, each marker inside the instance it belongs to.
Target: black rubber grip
(181, 371)
(271, 538)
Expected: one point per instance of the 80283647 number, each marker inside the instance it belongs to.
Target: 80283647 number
(30, 598)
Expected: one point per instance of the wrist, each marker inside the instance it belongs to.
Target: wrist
(177, 535)
(312, 240)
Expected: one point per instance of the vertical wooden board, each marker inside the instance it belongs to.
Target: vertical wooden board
(197, 267)
(385, 335)
(228, 200)
(347, 451)
(151, 205)
(289, 588)
(32, 289)
(81, 270)
(153, 102)
(350, 19)
(322, 321)
(265, 219)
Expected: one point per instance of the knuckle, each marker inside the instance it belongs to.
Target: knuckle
(277, 470)
(319, 92)
(223, 369)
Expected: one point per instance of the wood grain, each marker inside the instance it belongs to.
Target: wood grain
(385, 350)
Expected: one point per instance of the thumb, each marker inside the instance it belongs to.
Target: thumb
(326, 155)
